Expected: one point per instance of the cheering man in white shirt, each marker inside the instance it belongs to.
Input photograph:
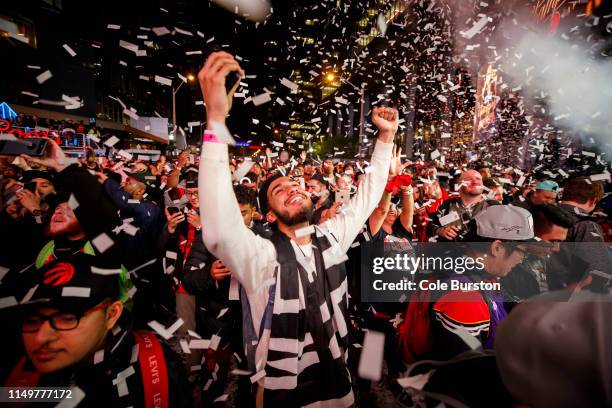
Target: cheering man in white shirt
(296, 323)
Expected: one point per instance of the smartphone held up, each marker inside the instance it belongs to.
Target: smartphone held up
(31, 146)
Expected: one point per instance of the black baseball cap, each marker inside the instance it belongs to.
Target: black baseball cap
(190, 175)
(76, 284)
(145, 177)
(30, 175)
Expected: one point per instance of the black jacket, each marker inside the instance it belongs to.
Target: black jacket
(96, 380)
(583, 252)
(212, 296)
(147, 217)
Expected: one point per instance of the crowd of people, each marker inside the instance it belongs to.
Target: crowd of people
(163, 283)
(28, 122)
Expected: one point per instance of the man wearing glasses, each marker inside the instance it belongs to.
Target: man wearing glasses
(497, 244)
(76, 332)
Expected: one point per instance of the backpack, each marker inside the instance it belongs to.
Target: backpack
(152, 367)
(413, 333)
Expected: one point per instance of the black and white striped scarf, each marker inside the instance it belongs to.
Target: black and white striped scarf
(307, 320)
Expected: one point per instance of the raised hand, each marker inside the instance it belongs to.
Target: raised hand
(212, 83)
(194, 219)
(29, 200)
(101, 177)
(387, 122)
(54, 157)
(174, 220)
(396, 162)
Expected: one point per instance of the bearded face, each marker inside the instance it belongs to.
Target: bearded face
(289, 202)
(63, 222)
(471, 183)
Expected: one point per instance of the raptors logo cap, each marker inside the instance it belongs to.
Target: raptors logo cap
(75, 284)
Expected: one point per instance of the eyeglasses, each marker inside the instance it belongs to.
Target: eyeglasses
(61, 321)
(192, 193)
(520, 251)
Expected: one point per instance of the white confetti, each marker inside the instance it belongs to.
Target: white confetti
(102, 242)
(252, 10)
(111, 141)
(289, 84)
(371, 360)
(8, 302)
(74, 291)
(69, 50)
(416, 381)
(163, 80)
(44, 76)
(75, 399)
(256, 377)
(199, 344)
(101, 271)
(261, 99)
(381, 23)
(479, 25)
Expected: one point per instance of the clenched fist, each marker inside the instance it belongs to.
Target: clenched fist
(387, 122)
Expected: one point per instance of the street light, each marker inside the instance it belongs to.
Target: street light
(330, 77)
(190, 78)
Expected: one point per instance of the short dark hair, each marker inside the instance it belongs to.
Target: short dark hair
(582, 189)
(547, 215)
(491, 182)
(245, 195)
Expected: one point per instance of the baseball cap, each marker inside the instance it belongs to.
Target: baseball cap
(76, 284)
(145, 177)
(552, 352)
(548, 185)
(30, 175)
(190, 176)
(505, 222)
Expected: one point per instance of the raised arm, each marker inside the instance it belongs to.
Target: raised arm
(225, 235)
(377, 218)
(407, 214)
(348, 223)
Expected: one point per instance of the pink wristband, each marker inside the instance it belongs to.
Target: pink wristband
(210, 137)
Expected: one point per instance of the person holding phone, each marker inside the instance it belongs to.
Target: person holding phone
(269, 270)
(218, 307)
